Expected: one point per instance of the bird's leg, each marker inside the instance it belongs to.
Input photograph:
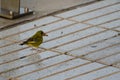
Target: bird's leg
(36, 55)
(33, 48)
(38, 50)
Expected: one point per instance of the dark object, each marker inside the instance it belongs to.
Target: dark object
(93, 46)
(11, 9)
(22, 57)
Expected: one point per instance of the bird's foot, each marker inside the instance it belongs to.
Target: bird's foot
(38, 51)
(33, 49)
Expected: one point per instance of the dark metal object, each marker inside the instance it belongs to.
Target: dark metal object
(11, 9)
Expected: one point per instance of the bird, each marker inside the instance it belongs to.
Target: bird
(35, 40)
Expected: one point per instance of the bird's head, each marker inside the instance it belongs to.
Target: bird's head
(41, 33)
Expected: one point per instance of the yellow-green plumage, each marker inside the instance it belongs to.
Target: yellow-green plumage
(35, 40)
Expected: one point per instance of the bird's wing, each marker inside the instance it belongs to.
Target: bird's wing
(32, 40)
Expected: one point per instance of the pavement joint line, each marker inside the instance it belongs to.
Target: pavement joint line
(81, 57)
(44, 49)
(20, 58)
(70, 41)
(107, 75)
(12, 52)
(108, 56)
(45, 67)
(101, 16)
(104, 27)
(100, 62)
(62, 27)
(83, 22)
(99, 41)
(70, 78)
(93, 10)
(64, 70)
(35, 27)
(116, 62)
(69, 34)
(73, 24)
(57, 21)
(89, 53)
(60, 53)
(77, 39)
(16, 68)
(111, 29)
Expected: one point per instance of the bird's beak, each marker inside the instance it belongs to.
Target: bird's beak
(44, 34)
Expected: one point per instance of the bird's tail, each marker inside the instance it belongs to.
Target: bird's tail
(22, 43)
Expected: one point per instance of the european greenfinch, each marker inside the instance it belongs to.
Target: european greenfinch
(35, 40)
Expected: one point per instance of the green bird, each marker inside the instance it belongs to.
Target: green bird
(35, 40)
